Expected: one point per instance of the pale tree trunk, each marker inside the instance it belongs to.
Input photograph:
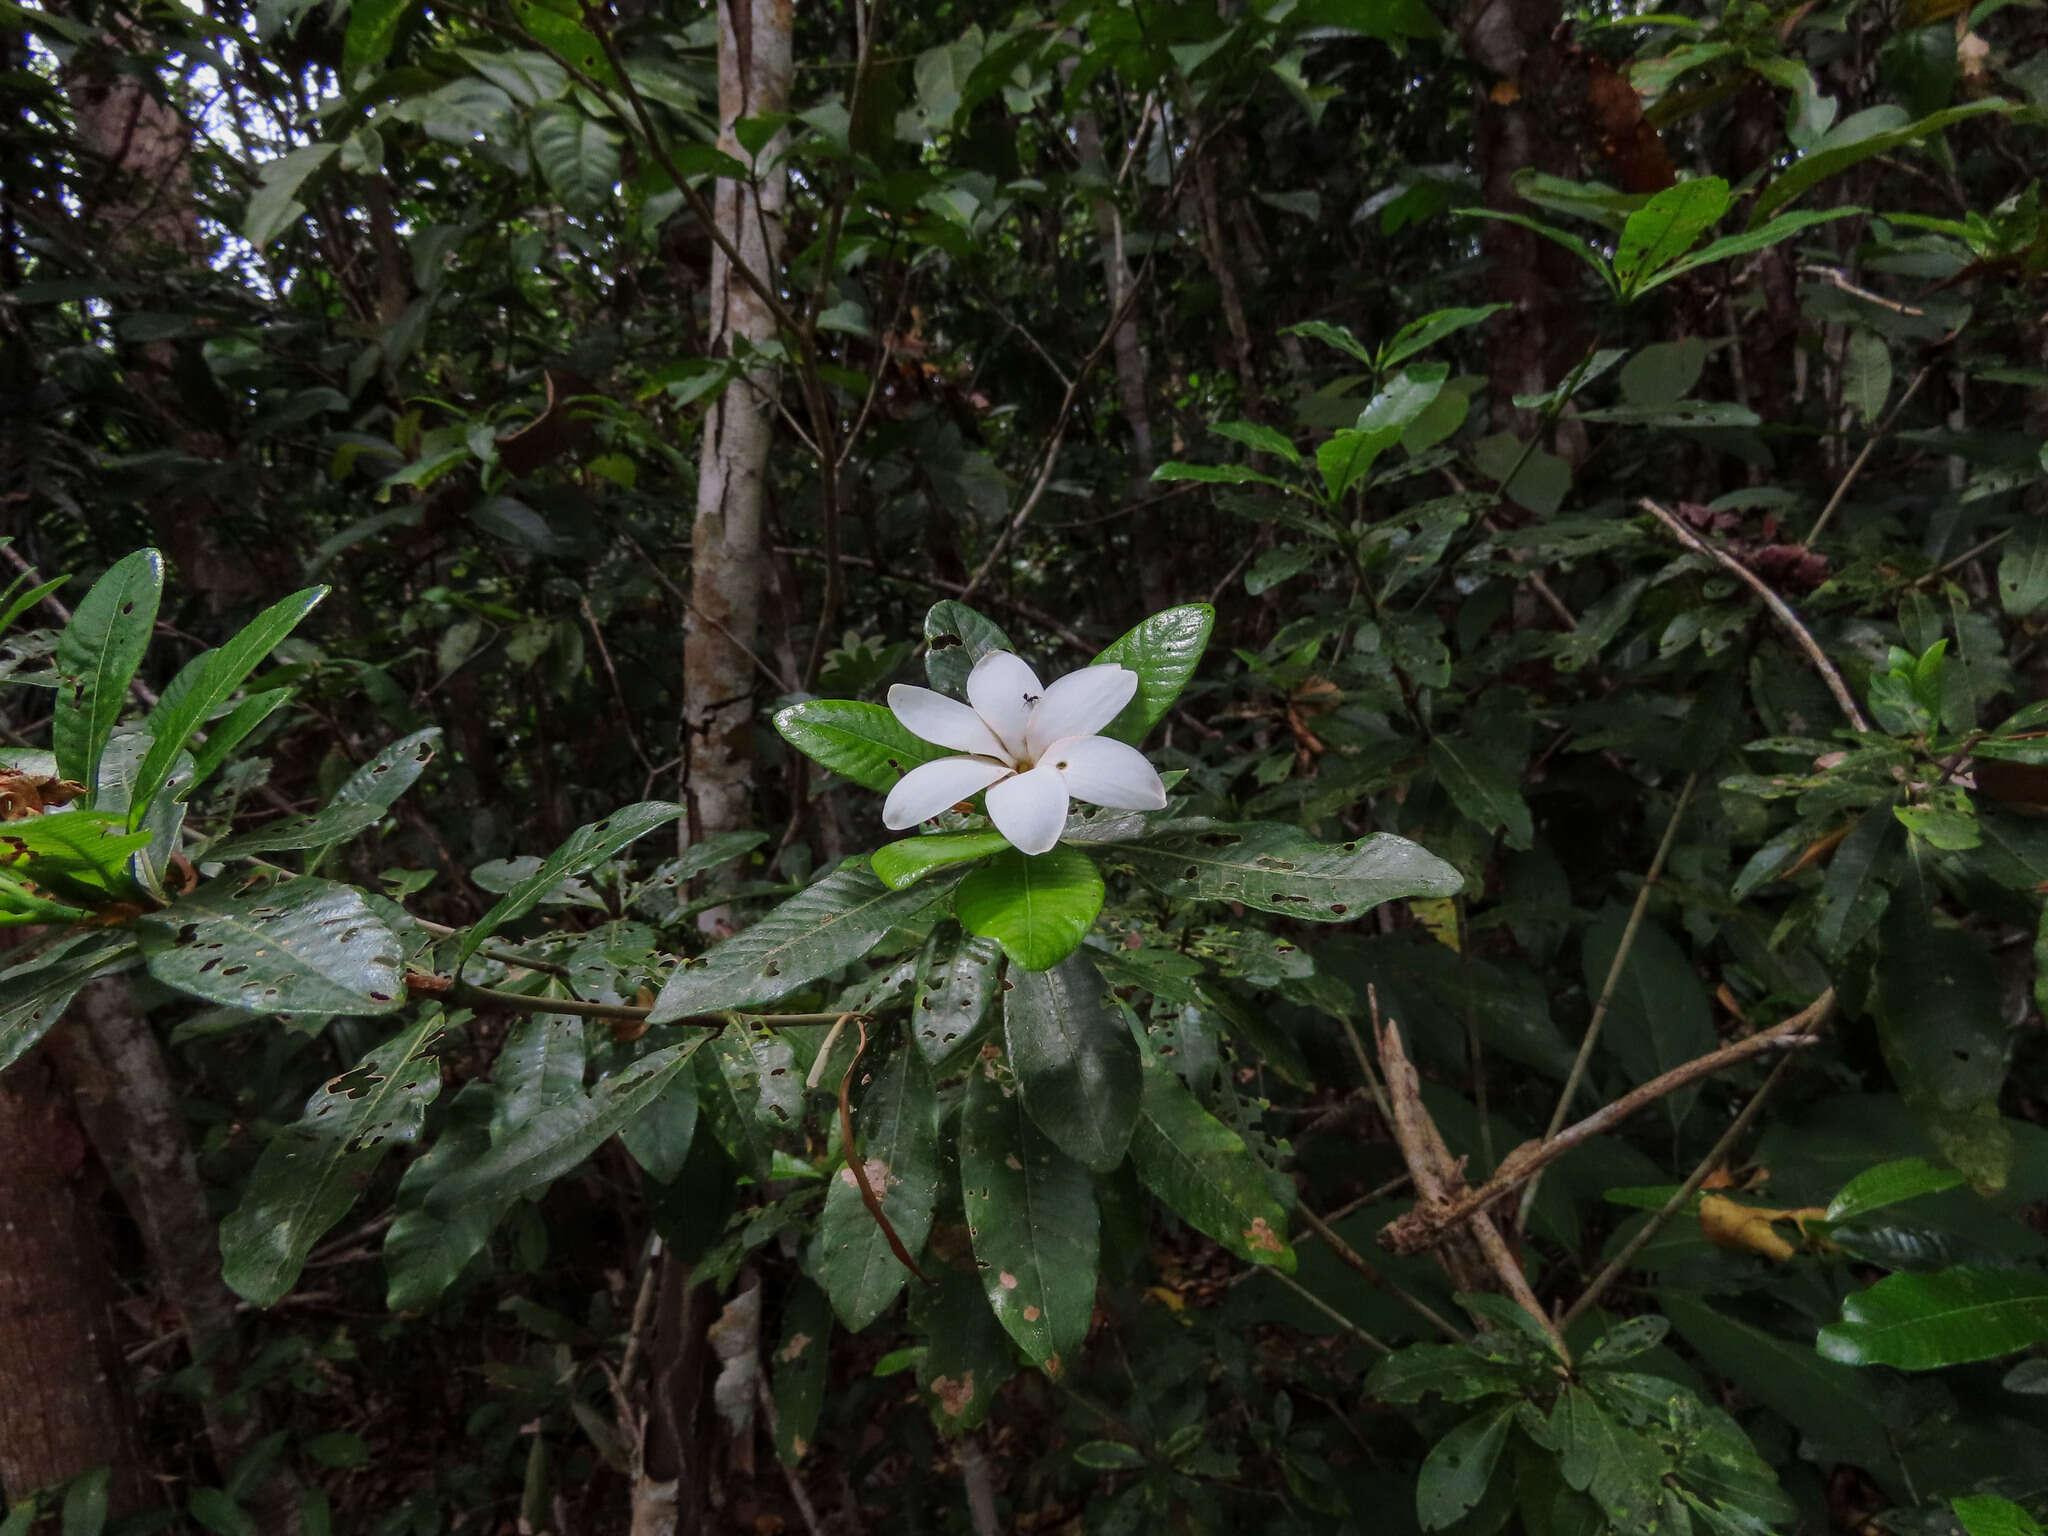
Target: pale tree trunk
(64, 1409)
(727, 560)
(138, 195)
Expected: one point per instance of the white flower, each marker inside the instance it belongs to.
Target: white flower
(1031, 747)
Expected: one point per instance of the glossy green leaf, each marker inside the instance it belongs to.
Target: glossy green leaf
(1889, 1184)
(862, 742)
(1986, 1514)
(1457, 1373)
(1820, 163)
(1729, 247)
(956, 983)
(904, 863)
(1921, 1322)
(1432, 328)
(97, 655)
(546, 1145)
(276, 944)
(539, 1066)
(812, 934)
(1031, 1216)
(1666, 227)
(1459, 1466)
(390, 773)
(1038, 908)
(311, 1171)
(221, 672)
(1164, 651)
(35, 992)
(585, 849)
(85, 1503)
(896, 1134)
(335, 824)
(1261, 438)
(1075, 1060)
(424, 1251)
(1205, 1173)
(228, 733)
(955, 638)
(800, 1370)
(578, 155)
(1278, 868)
(1555, 236)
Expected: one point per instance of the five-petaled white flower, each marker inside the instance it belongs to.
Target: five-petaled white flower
(1031, 747)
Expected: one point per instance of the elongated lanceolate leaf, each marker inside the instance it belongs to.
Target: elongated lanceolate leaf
(222, 671)
(1816, 166)
(896, 1135)
(1164, 651)
(97, 655)
(1205, 1173)
(425, 1251)
(312, 1171)
(1889, 1184)
(1986, 1514)
(1920, 1322)
(1456, 1472)
(315, 831)
(1075, 1060)
(861, 742)
(801, 1367)
(956, 983)
(1278, 868)
(585, 849)
(810, 935)
(271, 944)
(967, 1356)
(35, 992)
(390, 773)
(1038, 908)
(1031, 1216)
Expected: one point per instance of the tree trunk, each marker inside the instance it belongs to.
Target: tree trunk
(64, 1405)
(727, 559)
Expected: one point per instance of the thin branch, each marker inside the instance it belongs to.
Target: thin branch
(1374, 1276)
(1780, 609)
(1322, 1306)
(1856, 468)
(857, 1165)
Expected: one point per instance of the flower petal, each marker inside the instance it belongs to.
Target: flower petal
(930, 787)
(934, 717)
(1105, 772)
(1079, 704)
(1030, 809)
(1003, 688)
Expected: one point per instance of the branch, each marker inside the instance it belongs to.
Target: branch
(1429, 1223)
(857, 1165)
(1782, 610)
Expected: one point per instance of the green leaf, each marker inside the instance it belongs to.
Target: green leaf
(1776, 232)
(1108, 1456)
(1866, 374)
(1038, 908)
(1278, 868)
(801, 1369)
(812, 934)
(1263, 439)
(539, 1150)
(1600, 1456)
(372, 27)
(1556, 236)
(333, 825)
(1986, 1514)
(35, 992)
(578, 155)
(1347, 456)
(1075, 1060)
(85, 1503)
(172, 723)
(424, 1252)
(312, 1170)
(1921, 1322)
(230, 733)
(863, 742)
(1334, 336)
(896, 1133)
(584, 849)
(539, 1066)
(1826, 160)
(1431, 329)
(1471, 774)
(1889, 1184)
(1031, 1216)
(1455, 1372)
(2023, 571)
(1217, 474)
(1278, 564)
(276, 944)
(390, 773)
(955, 638)
(1666, 227)
(1205, 1173)
(1164, 651)
(904, 863)
(1659, 1017)
(274, 206)
(1940, 1022)
(659, 1137)
(966, 1356)
(218, 1513)
(1663, 372)
(1856, 889)
(1460, 1465)
(956, 982)
(97, 655)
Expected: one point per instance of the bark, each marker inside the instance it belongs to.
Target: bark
(121, 1087)
(1519, 122)
(64, 1404)
(139, 198)
(727, 559)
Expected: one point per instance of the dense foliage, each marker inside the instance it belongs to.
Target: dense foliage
(1568, 493)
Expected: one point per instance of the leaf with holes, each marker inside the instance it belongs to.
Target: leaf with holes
(425, 1251)
(1456, 1472)
(810, 935)
(585, 849)
(862, 742)
(97, 655)
(1921, 1322)
(390, 773)
(312, 1170)
(1038, 908)
(966, 1356)
(276, 944)
(896, 1135)
(1205, 1173)
(956, 982)
(1031, 1216)
(333, 825)
(1665, 228)
(955, 638)
(1075, 1059)
(1278, 868)
(35, 992)
(1164, 651)
(801, 1367)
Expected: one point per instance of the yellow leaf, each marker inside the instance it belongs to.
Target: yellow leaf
(1751, 1228)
